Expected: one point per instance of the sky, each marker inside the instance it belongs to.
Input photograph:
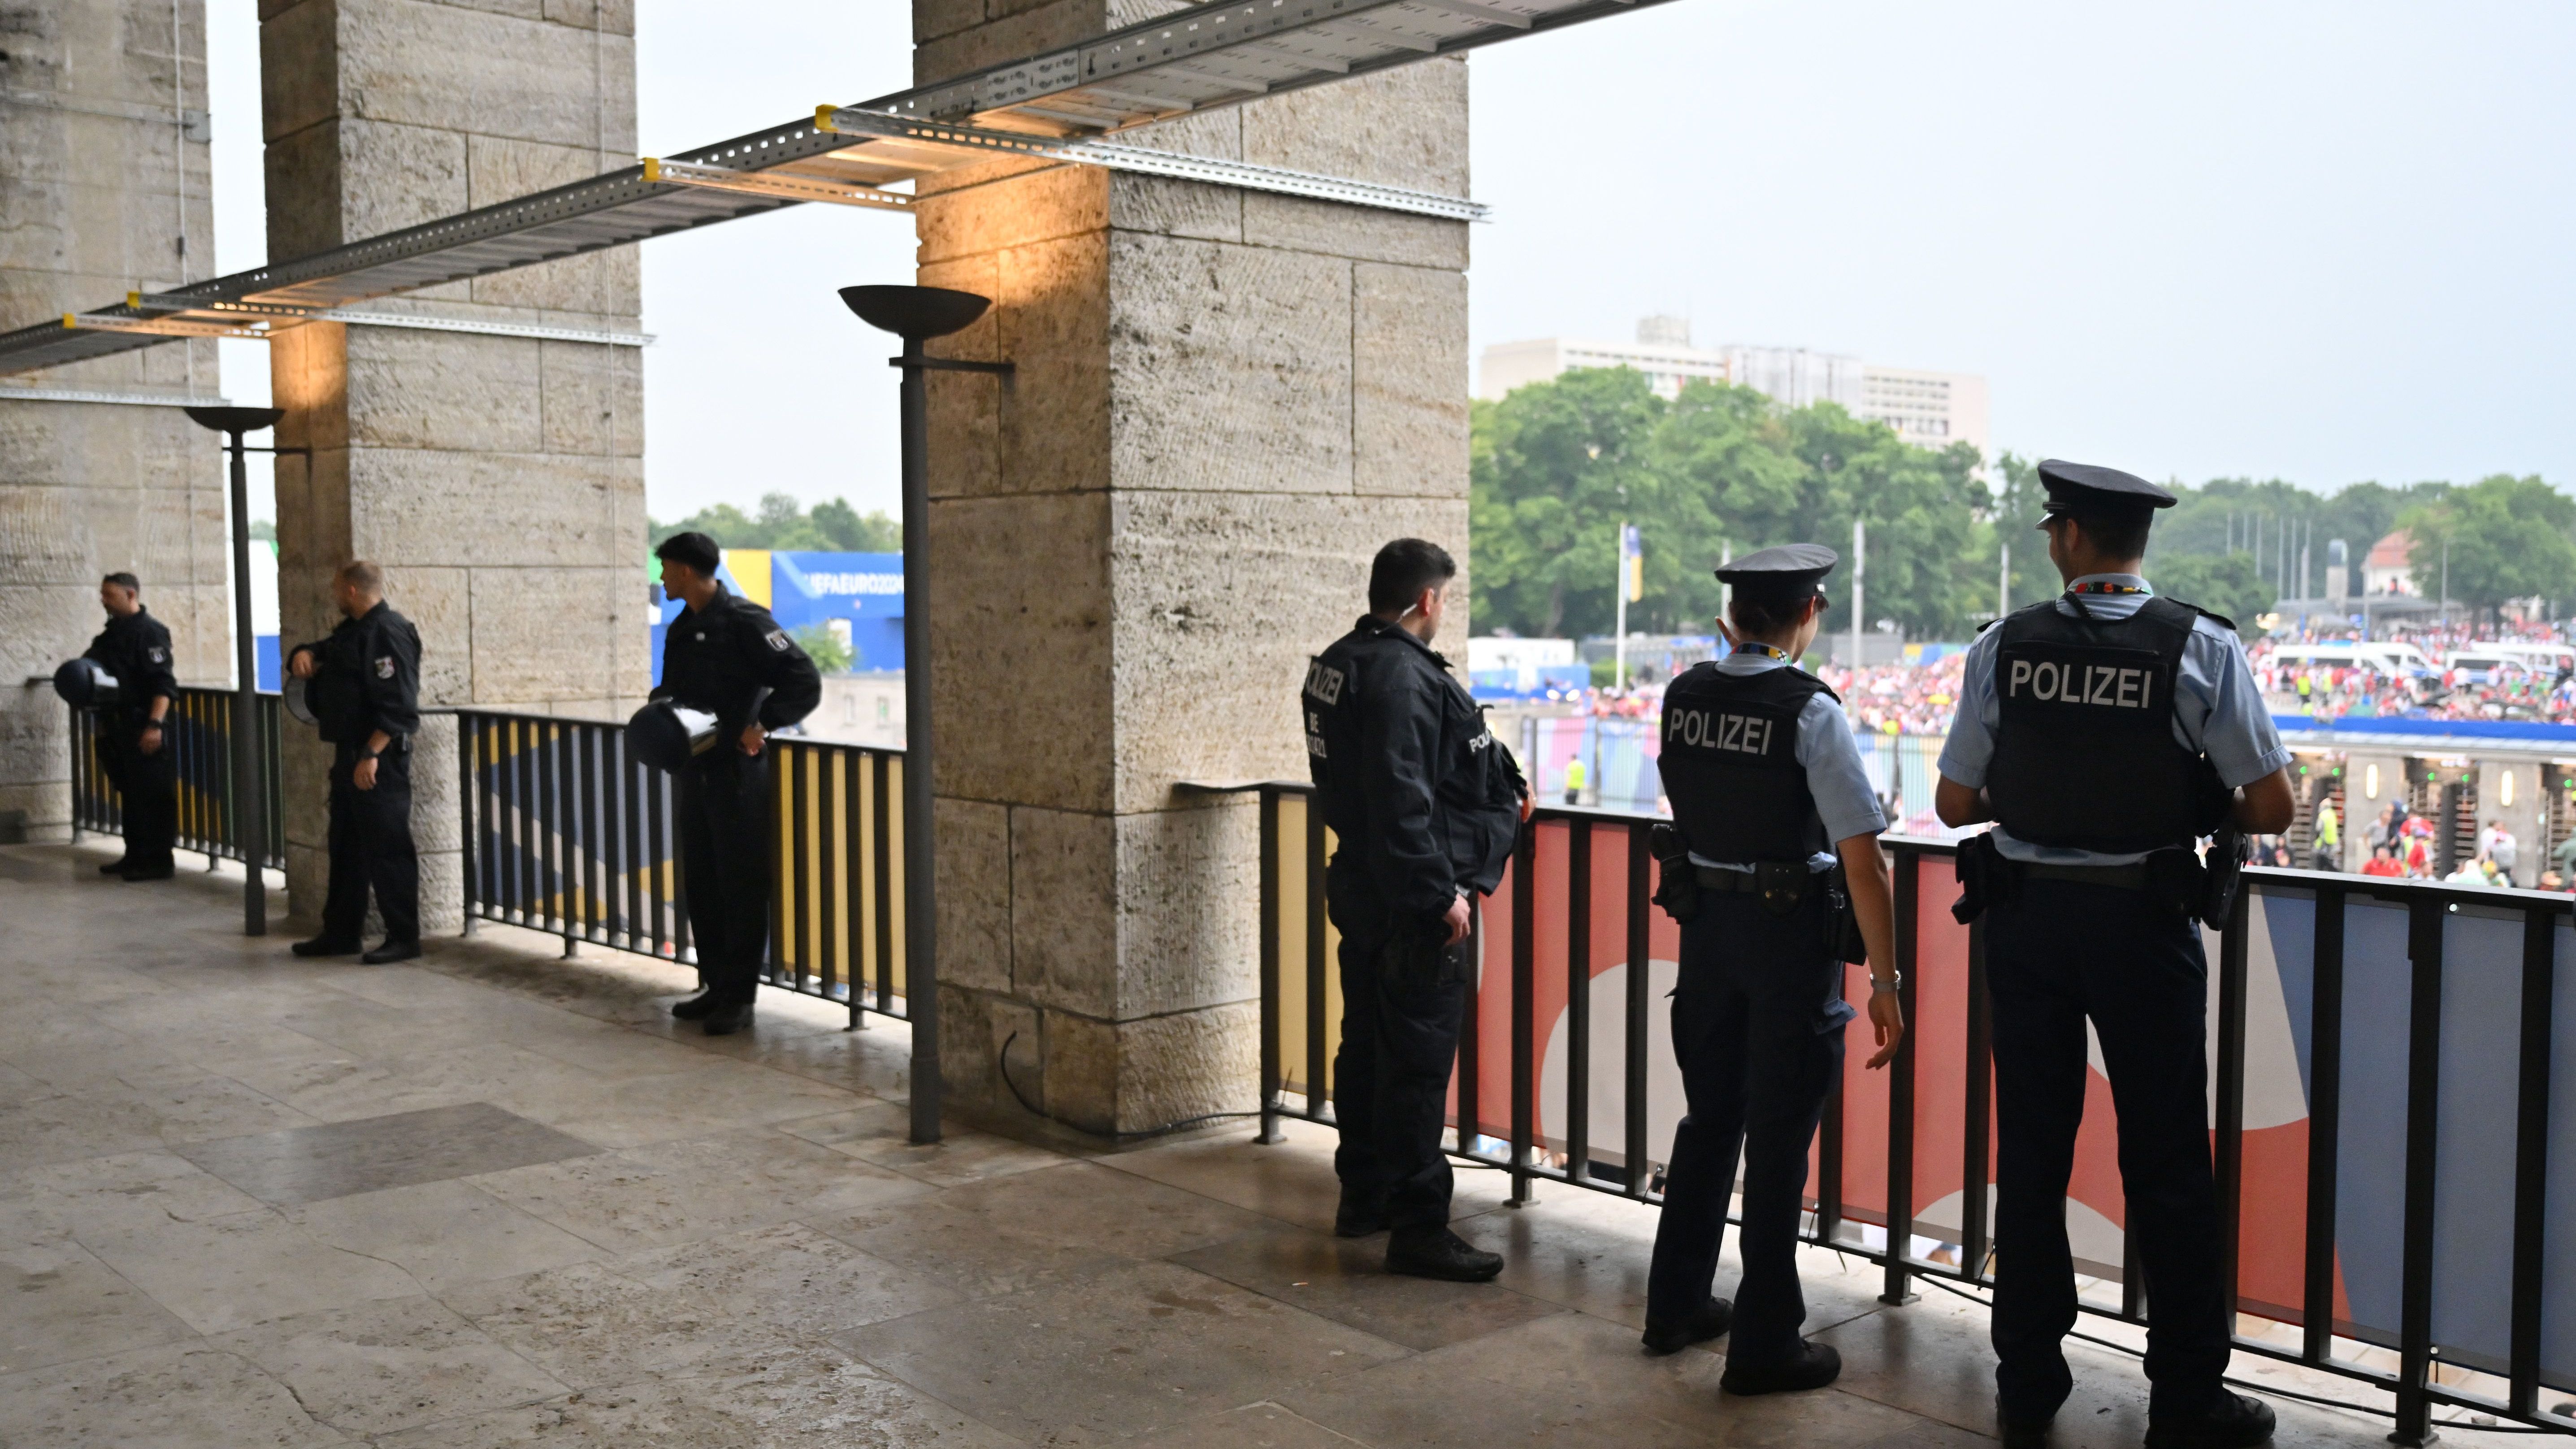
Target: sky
(2320, 242)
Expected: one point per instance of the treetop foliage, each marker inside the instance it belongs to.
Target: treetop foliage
(779, 522)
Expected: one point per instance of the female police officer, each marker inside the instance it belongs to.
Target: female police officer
(1763, 774)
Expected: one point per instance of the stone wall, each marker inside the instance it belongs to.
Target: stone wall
(1225, 402)
(93, 168)
(499, 480)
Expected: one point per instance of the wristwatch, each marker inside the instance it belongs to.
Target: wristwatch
(1895, 979)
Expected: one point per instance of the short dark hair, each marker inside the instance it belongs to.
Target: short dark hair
(694, 549)
(1404, 569)
(363, 576)
(2117, 532)
(124, 580)
(1766, 613)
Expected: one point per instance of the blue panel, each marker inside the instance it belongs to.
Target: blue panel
(2473, 1191)
(2290, 918)
(2558, 1256)
(2370, 1181)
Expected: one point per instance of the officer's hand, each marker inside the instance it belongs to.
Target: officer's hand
(1887, 1019)
(364, 777)
(1529, 802)
(1456, 919)
(752, 737)
(301, 664)
(150, 744)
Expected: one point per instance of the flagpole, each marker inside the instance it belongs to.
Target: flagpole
(1619, 654)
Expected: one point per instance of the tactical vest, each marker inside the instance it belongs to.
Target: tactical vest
(2085, 750)
(1730, 764)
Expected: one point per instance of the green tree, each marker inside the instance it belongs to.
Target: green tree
(780, 522)
(1556, 467)
(2225, 584)
(825, 648)
(849, 531)
(2505, 538)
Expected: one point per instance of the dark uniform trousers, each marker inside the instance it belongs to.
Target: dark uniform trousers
(725, 841)
(1403, 996)
(1758, 1018)
(371, 849)
(2058, 952)
(147, 788)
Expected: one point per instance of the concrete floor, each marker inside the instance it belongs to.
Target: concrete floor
(498, 1198)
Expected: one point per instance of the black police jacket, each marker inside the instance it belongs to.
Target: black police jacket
(136, 649)
(1423, 797)
(366, 677)
(716, 658)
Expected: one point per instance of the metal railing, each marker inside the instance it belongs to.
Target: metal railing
(198, 732)
(565, 834)
(2389, 1135)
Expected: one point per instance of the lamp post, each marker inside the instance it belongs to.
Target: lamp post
(250, 787)
(917, 314)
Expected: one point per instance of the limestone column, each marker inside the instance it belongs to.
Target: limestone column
(499, 480)
(1226, 401)
(103, 174)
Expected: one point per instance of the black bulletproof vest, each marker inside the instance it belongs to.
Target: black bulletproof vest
(1730, 764)
(2085, 751)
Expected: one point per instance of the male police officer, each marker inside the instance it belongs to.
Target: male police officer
(726, 656)
(2104, 731)
(1426, 805)
(365, 694)
(132, 749)
(1765, 782)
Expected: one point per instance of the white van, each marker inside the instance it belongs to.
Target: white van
(2390, 659)
(2539, 656)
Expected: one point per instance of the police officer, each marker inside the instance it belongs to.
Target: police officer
(1426, 805)
(132, 747)
(726, 656)
(365, 695)
(1769, 797)
(2103, 731)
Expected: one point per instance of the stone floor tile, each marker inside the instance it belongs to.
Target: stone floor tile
(791, 1398)
(231, 1272)
(443, 1233)
(591, 1326)
(711, 1097)
(1050, 1225)
(677, 1192)
(1254, 1426)
(176, 1396)
(877, 1061)
(789, 1278)
(367, 1030)
(64, 1304)
(341, 1086)
(1136, 1350)
(605, 1050)
(175, 1104)
(1345, 1280)
(101, 1196)
(437, 1144)
(380, 1367)
(881, 1132)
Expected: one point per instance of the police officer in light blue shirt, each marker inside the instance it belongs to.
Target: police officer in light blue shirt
(2104, 732)
(1767, 788)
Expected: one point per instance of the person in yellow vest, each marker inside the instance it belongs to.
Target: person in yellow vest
(2329, 837)
(1574, 781)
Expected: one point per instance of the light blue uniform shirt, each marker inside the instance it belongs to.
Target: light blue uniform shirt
(1835, 775)
(2217, 711)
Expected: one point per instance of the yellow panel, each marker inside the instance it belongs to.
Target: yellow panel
(750, 570)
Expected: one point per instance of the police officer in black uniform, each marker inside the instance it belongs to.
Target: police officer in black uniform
(364, 689)
(2104, 731)
(1426, 805)
(1771, 865)
(726, 656)
(132, 745)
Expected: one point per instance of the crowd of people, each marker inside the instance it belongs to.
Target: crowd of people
(2453, 690)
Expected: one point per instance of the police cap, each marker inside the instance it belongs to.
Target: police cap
(1790, 571)
(2082, 488)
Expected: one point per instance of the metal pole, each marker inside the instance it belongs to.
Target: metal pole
(1619, 648)
(920, 957)
(1860, 561)
(249, 790)
(2003, 585)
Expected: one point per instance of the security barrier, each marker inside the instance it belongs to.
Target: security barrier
(198, 731)
(565, 834)
(2388, 1133)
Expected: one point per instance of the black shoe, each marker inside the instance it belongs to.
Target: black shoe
(1359, 1215)
(726, 1020)
(1813, 1366)
(325, 946)
(113, 867)
(146, 872)
(392, 951)
(1714, 1317)
(696, 1008)
(2023, 1431)
(2234, 1422)
(1440, 1253)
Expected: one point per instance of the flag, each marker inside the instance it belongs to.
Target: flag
(1632, 563)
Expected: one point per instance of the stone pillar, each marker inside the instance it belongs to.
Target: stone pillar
(102, 173)
(498, 480)
(1226, 401)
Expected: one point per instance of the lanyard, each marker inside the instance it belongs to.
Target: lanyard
(1756, 646)
(2105, 586)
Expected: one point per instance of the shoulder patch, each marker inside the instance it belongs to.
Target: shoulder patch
(385, 666)
(157, 654)
(777, 639)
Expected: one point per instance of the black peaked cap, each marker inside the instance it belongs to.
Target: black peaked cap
(2083, 488)
(1790, 570)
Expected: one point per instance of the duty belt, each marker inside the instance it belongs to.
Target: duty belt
(2122, 877)
(1749, 882)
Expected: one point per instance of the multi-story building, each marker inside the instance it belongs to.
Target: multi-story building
(1929, 409)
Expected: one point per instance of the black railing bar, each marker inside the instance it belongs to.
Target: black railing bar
(1976, 1133)
(2531, 1154)
(1900, 1089)
(881, 813)
(2228, 1165)
(1638, 1039)
(2423, 1132)
(2325, 1126)
(1318, 1072)
(1578, 1001)
(1524, 983)
(1271, 1025)
(466, 785)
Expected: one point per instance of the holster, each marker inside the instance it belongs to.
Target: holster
(1842, 923)
(2176, 880)
(1677, 882)
(2223, 871)
(1985, 877)
(1782, 884)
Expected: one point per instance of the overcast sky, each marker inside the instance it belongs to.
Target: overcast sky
(2323, 242)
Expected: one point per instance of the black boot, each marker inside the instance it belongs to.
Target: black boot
(696, 1008)
(1811, 1366)
(114, 867)
(1440, 1253)
(727, 1019)
(1714, 1317)
(2232, 1421)
(325, 946)
(162, 871)
(1360, 1214)
(2022, 1431)
(392, 951)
